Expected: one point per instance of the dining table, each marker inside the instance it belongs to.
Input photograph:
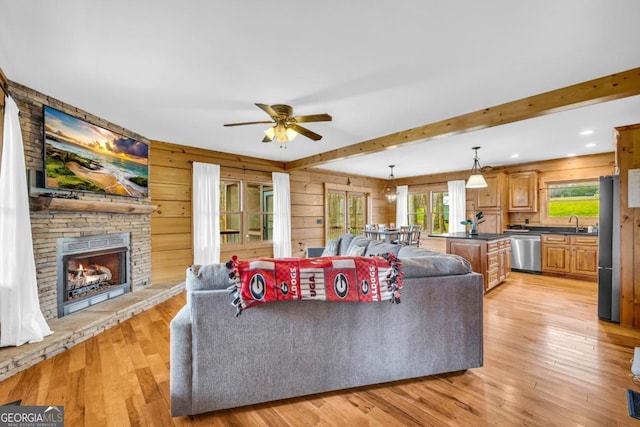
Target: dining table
(389, 235)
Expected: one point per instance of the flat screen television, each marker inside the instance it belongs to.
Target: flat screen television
(81, 156)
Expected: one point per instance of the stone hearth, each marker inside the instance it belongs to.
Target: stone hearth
(78, 327)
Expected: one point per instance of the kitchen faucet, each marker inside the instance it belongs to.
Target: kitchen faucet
(570, 218)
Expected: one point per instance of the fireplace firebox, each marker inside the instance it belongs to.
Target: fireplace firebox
(92, 269)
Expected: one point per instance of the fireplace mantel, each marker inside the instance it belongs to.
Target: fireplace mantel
(42, 203)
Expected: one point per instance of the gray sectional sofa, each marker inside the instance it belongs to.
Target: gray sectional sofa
(286, 349)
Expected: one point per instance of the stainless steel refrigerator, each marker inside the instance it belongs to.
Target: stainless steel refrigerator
(609, 249)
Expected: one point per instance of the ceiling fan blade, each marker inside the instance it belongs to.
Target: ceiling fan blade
(306, 132)
(266, 139)
(267, 109)
(313, 118)
(247, 123)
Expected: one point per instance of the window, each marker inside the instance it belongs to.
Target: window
(568, 198)
(430, 210)
(246, 209)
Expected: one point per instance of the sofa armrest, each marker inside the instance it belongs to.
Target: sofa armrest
(181, 363)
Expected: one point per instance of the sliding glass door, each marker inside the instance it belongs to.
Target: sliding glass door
(346, 212)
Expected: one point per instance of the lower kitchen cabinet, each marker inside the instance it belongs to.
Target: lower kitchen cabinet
(491, 258)
(573, 256)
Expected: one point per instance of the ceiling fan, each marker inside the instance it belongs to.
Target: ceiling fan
(285, 124)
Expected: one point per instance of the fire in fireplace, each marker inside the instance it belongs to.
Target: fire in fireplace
(91, 269)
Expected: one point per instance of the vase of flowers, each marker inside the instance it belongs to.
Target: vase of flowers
(473, 222)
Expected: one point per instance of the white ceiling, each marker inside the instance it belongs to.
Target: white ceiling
(177, 71)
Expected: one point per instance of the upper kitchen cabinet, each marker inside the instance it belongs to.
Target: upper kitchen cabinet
(491, 197)
(523, 192)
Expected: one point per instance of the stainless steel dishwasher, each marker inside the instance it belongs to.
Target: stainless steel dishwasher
(525, 253)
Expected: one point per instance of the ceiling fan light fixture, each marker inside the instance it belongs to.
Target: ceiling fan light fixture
(281, 133)
(270, 132)
(291, 134)
(284, 125)
(476, 180)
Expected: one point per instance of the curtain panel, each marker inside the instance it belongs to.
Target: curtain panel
(206, 213)
(21, 319)
(402, 206)
(281, 215)
(457, 205)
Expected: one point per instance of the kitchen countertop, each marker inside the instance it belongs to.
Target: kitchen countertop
(465, 235)
(567, 231)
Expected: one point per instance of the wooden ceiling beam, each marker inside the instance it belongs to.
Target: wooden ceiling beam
(608, 88)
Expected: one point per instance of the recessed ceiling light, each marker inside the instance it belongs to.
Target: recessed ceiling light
(571, 155)
(591, 144)
(514, 156)
(586, 132)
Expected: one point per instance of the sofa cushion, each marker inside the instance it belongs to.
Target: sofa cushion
(356, 250)
(332, 247)
(356, 241)
(435, 264)
(378, 247)
(345, 241)
(413, 252)
(207, 277)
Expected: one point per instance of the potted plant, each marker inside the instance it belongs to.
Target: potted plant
(473, 222)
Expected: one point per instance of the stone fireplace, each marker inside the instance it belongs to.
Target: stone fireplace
(79, 215)
(92, 269)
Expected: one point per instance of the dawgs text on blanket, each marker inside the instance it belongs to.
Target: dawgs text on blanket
(337, 278)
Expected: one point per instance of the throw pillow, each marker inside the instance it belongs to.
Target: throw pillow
(332, 247)
(356, 251)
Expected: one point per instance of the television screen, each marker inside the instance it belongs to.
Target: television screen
(81, 156)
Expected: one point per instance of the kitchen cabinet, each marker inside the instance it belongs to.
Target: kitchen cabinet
(523, 192)
(491, 197)
(574, 256)
(493, 222)
(491, 258)
(491, 201)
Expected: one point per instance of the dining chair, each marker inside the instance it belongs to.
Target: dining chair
(370, 231)
(414, 238)
(403, 236)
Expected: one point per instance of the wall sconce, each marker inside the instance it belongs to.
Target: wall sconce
(476, 180)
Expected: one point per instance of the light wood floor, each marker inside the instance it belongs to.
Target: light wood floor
(548, 361)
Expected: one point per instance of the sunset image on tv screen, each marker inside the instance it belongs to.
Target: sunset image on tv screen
(85, 157)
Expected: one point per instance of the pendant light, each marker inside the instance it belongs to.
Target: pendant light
(476, 180)
(391, 189)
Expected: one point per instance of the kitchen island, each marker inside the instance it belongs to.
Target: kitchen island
(488, 253)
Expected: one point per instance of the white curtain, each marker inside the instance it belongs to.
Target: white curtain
(457, 205)
(206, 213)
(21, 320)
(402, 203)
(281, 215)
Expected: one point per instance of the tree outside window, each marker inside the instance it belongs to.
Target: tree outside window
(430, 210)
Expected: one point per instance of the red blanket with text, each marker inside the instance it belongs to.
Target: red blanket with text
(337, 278)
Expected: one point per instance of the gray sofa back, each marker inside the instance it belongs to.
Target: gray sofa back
(286, 349)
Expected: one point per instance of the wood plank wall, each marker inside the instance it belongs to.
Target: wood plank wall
(628, 157)
(171, 223)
